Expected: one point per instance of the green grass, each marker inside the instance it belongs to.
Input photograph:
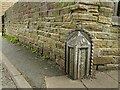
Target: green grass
(34, 51)
(45, 57)
(11, 38)
(15, 40)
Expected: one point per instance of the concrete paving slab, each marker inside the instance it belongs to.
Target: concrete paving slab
(62, 82)
(113, 74)
(102, 81)
(21, 82)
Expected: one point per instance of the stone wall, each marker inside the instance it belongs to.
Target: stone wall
(3, 7)
(45, 25)
(0, 17)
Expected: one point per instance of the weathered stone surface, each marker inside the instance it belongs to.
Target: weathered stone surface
(56, 12)
(108, 12)
(54, 30)
(50, 5)
(91, 2)
(114, 52)
(67, 18)
(55, 36)
(48, 19)
(105, 20)
(104, 60)
(73, 7)
(58, 18)
(115, 29)
(92, 10)
(88, 17)
(59, 45)
(104, 35)
(105, 3)
(69, 25)
(106, 43)
(62, 39)
(45, 13)
(64, 11)
(93, 26)
(45, 26)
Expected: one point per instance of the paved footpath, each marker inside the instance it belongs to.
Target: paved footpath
(5, 78)
(42, 73)
(32, 68)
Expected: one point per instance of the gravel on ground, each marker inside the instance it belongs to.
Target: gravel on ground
(7, 81)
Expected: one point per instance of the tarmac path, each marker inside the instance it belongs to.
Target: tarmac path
(32, 67)
(6, 80)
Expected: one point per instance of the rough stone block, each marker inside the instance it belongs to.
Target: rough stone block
(47, 35)
(114, 29)
(106, 4)
(105, 20)
(59, 45)
(55, 36)
(62, 53)
(67, 18)
(63, 4)
(62, 39)
(104, 60)
(55, 24)
(73, 7)
(65, 10)
(56, 12)
(35, 4)
(59, 19)
(92, 26)
(47, 24)
(107, 36)
(69, 25)
(50, 13)
(54, 30)
(50, 5)
(108, 12)
(43, 13)
(78, 17)
(111, 51)
(91, 2)
(52, 55)
(83, 7)
(56, 5)
(106, 43)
